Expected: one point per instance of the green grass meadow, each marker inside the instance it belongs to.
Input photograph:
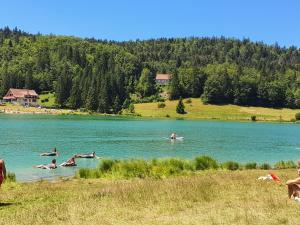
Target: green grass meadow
(47, 100)
(164, 191)
(197, 110)
(206, 197)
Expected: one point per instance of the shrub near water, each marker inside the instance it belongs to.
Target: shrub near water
(137, 168)
(231, 165)
(251, 166)
(11, 177)
(169, 167)
(285, 165)
(106, 165)
(205, 162)
(133, 168)
(265, 166)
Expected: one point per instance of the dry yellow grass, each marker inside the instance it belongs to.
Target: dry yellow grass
(197, 110)
(210, 197)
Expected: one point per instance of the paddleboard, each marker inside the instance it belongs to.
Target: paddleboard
(177, 138)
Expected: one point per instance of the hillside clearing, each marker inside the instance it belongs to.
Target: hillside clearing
(197, 110)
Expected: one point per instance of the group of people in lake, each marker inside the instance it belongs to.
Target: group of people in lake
(293, 185)
(69, 162)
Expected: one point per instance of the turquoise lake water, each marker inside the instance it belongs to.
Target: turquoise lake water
(24, 137)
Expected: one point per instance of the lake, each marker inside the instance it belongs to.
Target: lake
(24, 137)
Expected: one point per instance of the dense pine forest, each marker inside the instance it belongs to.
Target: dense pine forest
(106, 76)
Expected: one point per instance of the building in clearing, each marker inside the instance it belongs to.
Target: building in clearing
(23, 97)
(163, 79)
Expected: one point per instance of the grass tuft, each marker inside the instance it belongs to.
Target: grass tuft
(231, 165)
(205, 162)
(11, 177)
(251, 166)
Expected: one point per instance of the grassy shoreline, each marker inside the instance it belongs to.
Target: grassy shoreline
(207, 197)
(195, 109)
(178, 192)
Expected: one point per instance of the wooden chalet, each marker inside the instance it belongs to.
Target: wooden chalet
(163, 79)
(23, 97)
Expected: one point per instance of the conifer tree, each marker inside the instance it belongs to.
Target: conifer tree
(180, 107)
(175, 89)
(75, 97)
(63, 85)
(131, 108)
(117, 105)
(91, 101)
(126, 103)
(103, 106)
(28, 80)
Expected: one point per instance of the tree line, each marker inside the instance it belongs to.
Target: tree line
(107, 76)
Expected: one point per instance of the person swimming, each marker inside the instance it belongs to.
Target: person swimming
(69, 162)
(89, 156)
(173, 136)
(50, 166)
(53, 153)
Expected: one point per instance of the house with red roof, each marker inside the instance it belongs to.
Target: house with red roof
(163, 79)
(23, 97)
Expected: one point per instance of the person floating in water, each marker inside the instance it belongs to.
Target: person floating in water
(2, 171)
(50, 166)
(69, 162)
(89, 155)
(53, 153)
(173, 136)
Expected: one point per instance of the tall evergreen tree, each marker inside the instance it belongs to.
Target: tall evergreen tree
(75, 101)
(180, 107)
(63, 85)
(175, 88)
(103, 106)
(91, 100)
(117, 105)
(29, 84)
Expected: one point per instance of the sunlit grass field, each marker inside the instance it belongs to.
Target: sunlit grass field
(207, 197)
(47, 100)
(197, 110)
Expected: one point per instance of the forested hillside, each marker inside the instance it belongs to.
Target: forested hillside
(104, 75)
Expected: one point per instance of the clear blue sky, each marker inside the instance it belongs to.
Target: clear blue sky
(269, 21)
